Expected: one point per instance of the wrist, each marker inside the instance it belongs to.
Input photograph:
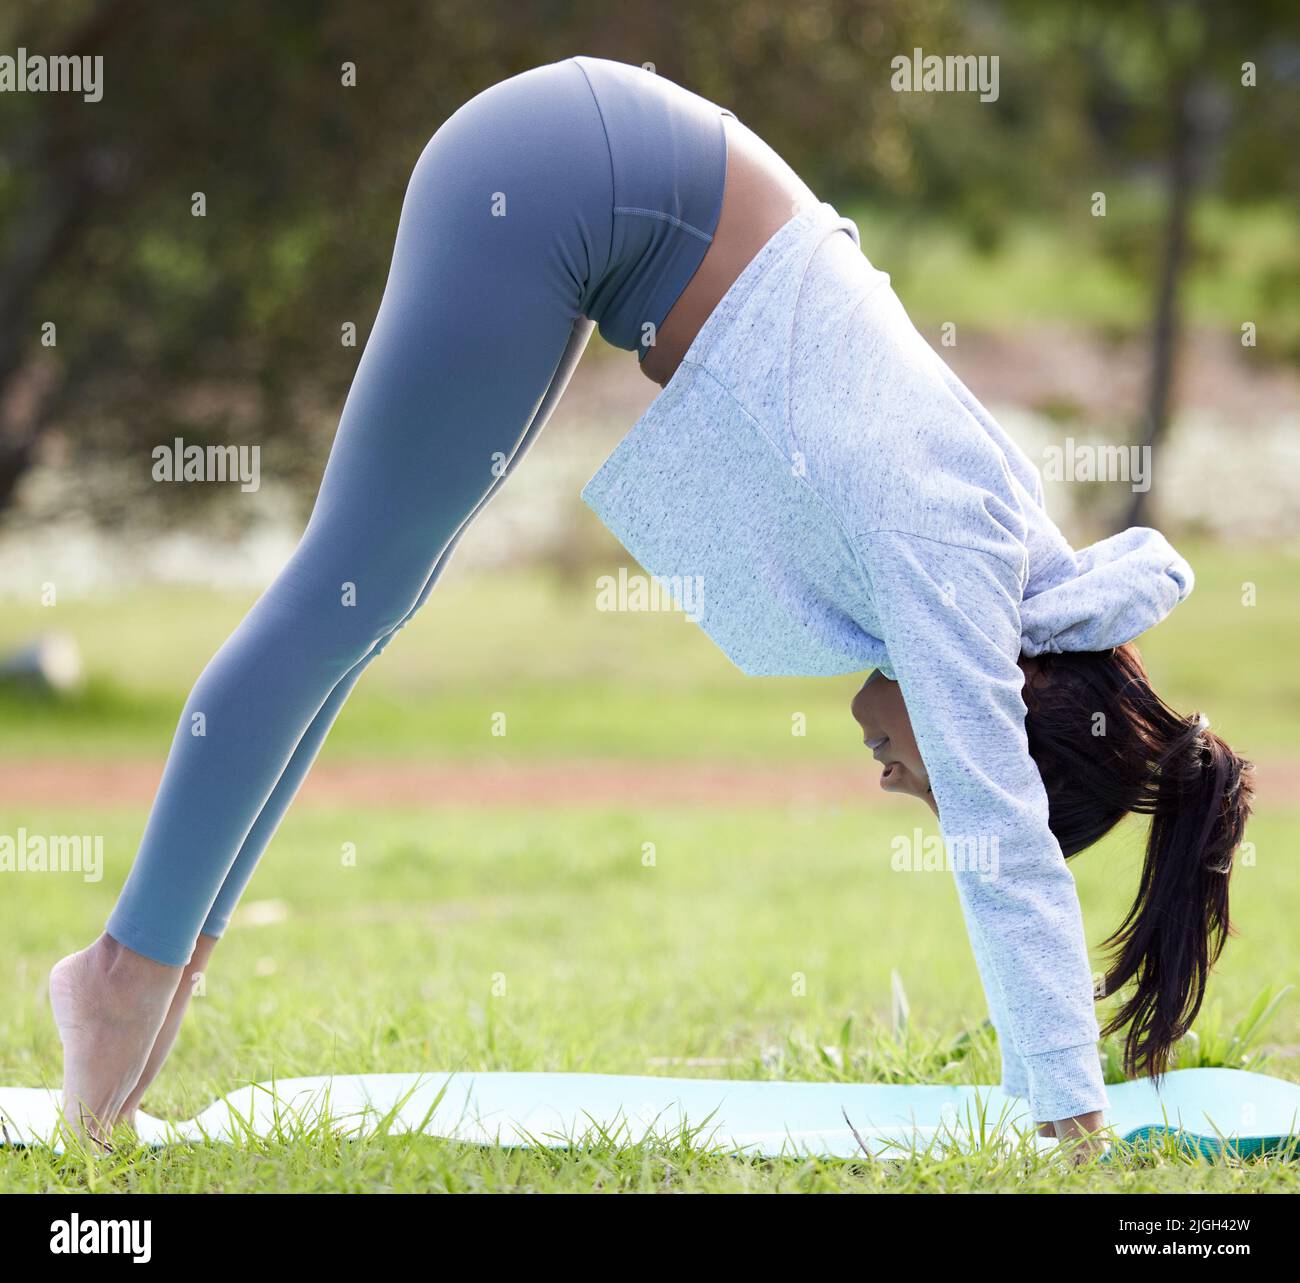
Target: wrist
(1080, 1125)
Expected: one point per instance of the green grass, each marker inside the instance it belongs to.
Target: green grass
(576, 682)
(608, 965)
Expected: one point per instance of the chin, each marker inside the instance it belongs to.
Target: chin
(903, 783)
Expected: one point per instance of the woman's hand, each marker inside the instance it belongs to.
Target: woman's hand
(1084, 1129)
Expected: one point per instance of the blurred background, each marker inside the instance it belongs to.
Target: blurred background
(1107, 254)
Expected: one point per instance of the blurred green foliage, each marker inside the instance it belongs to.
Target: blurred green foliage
(227, 327)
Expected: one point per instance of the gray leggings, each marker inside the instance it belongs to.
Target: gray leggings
(577, 194)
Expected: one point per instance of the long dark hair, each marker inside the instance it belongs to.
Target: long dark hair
(1107, 745)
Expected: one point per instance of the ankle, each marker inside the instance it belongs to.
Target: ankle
(120, 966)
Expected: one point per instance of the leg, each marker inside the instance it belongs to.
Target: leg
(286, 789)
(304, 755)
(479, 315)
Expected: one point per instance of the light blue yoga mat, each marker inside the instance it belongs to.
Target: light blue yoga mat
(1210, 1107)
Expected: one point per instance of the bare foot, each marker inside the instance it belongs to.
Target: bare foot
(171, 1025)
(109, 1004)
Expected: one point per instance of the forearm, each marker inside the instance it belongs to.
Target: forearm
(1015, 1077)
(953, 638)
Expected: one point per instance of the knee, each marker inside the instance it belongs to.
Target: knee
(368, 615)
(334, 618)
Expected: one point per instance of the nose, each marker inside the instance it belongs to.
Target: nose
(859, 708)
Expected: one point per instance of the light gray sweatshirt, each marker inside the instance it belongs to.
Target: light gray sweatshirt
(836, 500)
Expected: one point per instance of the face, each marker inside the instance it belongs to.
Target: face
(887, 731)
(878, 708)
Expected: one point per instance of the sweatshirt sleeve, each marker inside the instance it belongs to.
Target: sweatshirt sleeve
(950, 621)
(1015, 1078)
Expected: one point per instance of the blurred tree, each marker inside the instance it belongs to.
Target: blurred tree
(227, 327)
(1167, 89)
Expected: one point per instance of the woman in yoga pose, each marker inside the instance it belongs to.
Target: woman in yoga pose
(840, 499)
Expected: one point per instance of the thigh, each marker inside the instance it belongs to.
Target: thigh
(499, 239)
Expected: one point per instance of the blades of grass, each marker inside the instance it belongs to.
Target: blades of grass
(1250, 1028)
(862, 1145)
(899, 1009)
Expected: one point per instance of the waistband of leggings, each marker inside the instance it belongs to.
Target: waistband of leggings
(667, 146)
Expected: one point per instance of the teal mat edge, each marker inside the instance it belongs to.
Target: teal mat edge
(1285, 1147)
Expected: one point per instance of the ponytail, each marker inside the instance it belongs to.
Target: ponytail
(1149, 761)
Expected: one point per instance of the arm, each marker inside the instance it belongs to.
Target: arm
(950, 622)
(1015, 1077)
